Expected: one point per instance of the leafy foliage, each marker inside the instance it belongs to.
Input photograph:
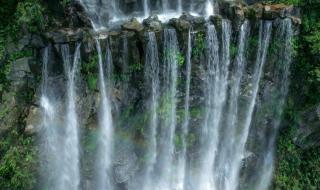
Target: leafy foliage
(17, 162)
(297, 168)
(180, 59)
(30, 14)
(199, 45)
(89, 70)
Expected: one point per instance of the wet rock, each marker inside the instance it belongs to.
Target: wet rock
(153, 23)
(273, 11)
(24, 41)
(133, 25)
(216, 20)
(270, 11)
(65, 35)
(233, 10)
(33, 120)
(296, 20)
(37, 41)
(180, 24)
(254, 11)
(76, 16)
(20, 68)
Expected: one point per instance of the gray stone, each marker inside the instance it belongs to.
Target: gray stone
(65, 35)
(33, 120)
(181, 23)
(24, 41)
(153, 23)
(37, 41)
(20, 68)
(133, 25)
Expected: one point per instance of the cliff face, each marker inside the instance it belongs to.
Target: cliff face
(21, 111)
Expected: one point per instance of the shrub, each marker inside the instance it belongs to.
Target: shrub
(30, 15)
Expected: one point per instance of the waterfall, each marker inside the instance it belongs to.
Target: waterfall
(225, 161)
(50, 147)
(105, 142)
(61, 144)
(185, 130)
(239, 154)
(152, 80)
(168, 108)
(108, 13)
(179, 6)
(209, 7)
(216, 88)
(181, 167)
(165, 5)
(282, 73)
(146, 8)
(209, 129)
(109, 68)
(71, 175)
(125, 69)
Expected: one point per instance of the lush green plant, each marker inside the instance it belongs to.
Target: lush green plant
(89, 70)
(180, 59)
(135, 67)
(296, 168)
(30, 14)
(199, 45)
(64, 3)
(233, 50)
(18, 162)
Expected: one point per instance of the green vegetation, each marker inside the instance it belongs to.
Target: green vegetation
(298, 168)
(90, 70)
(135, 68)
(199, 45)
(233, 50)
(20, 16)
(180, 59)
(18, 163)
(64, 3)
(30, 15)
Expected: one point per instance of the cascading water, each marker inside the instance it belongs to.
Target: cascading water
(181, 167)
(239, 154)
(125, 69)
(209, 7)
(105, 139)
(165, 5)
(209, 130)
(281, 76)
(109, 69)
(152, 78)
(218, 118)
(228, 140)
(146, 8)
(169, 92)
(50, 146)
(179, 9)
(71, 162)
(61, 145)
(216, 88)
(104, 14)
